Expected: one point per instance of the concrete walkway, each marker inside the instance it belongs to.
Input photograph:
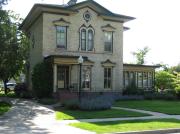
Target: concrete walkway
(27, 117)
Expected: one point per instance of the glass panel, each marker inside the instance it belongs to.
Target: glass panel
(140, 80)
(61, 36)
(86, 76)
(108, 41)
(145, 79)
(107, 78)
(126, 79)
(83, 39)
(149, 79)
(90, 40)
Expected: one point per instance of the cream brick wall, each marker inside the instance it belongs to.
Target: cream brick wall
(76, 21)
(36, 56)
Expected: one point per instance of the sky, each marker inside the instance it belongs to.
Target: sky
(157, 25)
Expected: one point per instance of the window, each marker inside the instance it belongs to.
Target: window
(108, 42)
(107, 78)
(150, 79)
(86, 77)
(140, 78)
(83, 39)
(126, 78)
(61, 36)
(90, 40)
(145, 79)
(87, 39)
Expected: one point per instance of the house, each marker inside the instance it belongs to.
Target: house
(64, 33)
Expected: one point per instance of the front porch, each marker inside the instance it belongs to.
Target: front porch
(143, 76)
(66, 73)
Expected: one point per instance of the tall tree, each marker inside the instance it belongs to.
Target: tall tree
(140, 55)
(12, 47)
(2, 2)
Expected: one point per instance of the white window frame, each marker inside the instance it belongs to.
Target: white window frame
(111, 78)
(65, 39)
(87, 38)
(111, 51)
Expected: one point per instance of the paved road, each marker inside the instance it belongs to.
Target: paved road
(26, 117)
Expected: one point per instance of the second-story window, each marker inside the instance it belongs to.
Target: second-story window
(83, 39)
(108, 41)
(90, 40)
(61, 36)
(86, 39)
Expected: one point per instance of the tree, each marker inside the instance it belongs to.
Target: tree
(165, 80)
(140, 55)
(2, 2)
(13, 46)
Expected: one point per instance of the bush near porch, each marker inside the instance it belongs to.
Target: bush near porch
(42, 80)
(4, 107)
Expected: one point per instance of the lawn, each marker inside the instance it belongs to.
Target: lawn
(63, 114)
(4, 107)
(125, 126)
(167, 107)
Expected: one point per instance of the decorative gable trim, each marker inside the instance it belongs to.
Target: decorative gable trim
(108, 63)
(108, 27)
(61, 22)
(88, 62)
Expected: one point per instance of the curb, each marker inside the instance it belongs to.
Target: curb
(160, 131)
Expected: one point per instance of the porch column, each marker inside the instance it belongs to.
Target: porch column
(54, 78)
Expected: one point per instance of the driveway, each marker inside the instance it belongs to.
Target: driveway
(27, 117)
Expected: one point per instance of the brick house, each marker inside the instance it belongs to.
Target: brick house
(63, 33)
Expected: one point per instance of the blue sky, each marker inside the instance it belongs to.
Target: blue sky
(157, 26)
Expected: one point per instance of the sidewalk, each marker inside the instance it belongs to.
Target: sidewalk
(27, 117)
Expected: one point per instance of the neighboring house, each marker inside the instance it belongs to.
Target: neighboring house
(63, 33)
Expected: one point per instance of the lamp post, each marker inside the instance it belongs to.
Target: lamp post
(80, 61)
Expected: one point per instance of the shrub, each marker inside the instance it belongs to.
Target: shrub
(177, 89)
(22, 91)
(71, 104)
(160, 96)
(99, 103)
(133, 90)
(42, 80)
(165, 80)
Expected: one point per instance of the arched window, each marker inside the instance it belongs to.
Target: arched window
(83, 39)
(90, 43)
(86, 39)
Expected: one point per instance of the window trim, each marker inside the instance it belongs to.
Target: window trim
(112, 41)
(90, 69)
(111, 78)
(87, 38)
(58, 45)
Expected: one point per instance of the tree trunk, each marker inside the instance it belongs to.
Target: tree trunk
(5, 87)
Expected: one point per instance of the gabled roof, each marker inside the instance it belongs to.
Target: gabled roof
(98, 8)
(38, 9)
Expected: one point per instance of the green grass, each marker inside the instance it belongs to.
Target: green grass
(125, 126)
(4, 107)
(11, 94)
(111, 113)
(167, 107)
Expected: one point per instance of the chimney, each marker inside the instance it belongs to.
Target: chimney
(72, 2)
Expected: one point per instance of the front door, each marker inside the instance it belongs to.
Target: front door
(63, 77)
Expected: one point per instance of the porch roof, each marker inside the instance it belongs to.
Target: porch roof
(68, 59)
(138, 67)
